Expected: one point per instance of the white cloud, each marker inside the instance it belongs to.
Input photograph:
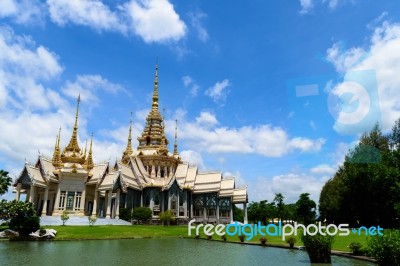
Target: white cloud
(306, 6)
(323, 169)
(195, 19)
(205, 135)
(155, 20)
(152, 20)
(87, 86)
(219, 91)
(290, 185)
(382, 55)
(193, 158)
(22, 66)
(22, 11)
(206, 119)
(189, 83)
(92, 13)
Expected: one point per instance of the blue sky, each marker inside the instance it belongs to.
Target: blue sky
(272, 93)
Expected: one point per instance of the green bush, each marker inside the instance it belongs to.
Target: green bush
(386, 248)
(355, 248)
(263, 240)
(125, 214)
(64, 217)
(21, 215)
(167, 217)
(291, 240)
(142, 214)
(318, 247)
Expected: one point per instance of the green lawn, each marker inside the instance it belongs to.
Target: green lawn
(156, 231)
(117, 231)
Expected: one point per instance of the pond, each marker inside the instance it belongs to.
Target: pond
(152, 252)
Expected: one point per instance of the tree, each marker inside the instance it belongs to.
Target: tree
(21, 215)
(238, 214)
(279, 205)
(5, 182)
(305, 209)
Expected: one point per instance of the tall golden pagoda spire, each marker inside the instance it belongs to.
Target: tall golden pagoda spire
(176, 139)
(73, 143)
(155, 90)
(89, 161)
(128, 151)
(56, 161)
(71, 153)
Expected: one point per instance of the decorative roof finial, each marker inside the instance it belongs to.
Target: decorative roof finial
(128, 151)
(155, 92)
(73, 143)
(89, 161)
(176, 138)
(56, 161)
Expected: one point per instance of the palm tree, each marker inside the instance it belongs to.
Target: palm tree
(5, 182)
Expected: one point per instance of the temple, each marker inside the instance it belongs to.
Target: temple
(150, 176)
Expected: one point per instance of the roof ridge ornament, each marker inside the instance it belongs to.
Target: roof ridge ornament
(73, 143)
(176, 139)
(128, 151)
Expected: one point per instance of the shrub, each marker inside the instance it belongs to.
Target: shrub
(318, 247)
(64, 217)
(263, 240)
(291, 240)
(241, 238)
(21, 215)
(142, 214)
(355, 248)
(386, 248)
(209, 237)
(92, 220)
(166, 217)
(125, 214)
(223, 237)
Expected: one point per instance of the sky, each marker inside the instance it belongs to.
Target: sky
(274, 93)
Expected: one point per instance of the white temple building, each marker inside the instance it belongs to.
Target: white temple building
(150, 176)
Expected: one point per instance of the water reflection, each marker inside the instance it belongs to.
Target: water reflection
(152, 252)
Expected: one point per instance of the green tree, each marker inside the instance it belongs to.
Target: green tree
(280, 205)
(305, 209)
(238, 214)
(5, 182)
(21, 216)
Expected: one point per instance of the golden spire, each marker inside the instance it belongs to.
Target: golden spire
(128, 151)
(176, 138)
(89, 162)
(56, 161)
(73, 143)
(155, 91)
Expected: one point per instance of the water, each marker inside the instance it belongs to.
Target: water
(152, 252)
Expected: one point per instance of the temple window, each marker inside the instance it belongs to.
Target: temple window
(70, 200)
(62, 200)
(78, 201)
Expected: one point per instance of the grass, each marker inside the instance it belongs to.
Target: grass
(341, 243)
(117, 231)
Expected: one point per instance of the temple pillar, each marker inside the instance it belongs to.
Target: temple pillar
(217, 210)
(18, 189)
(82, 206)
(141, 199)
(171, 171)
(32, 194)
(94, 212)
(108, 212)
(46, 195)
(117, 204)
(57, 201)
(204, 214)
(231, 213)
(245, 213)
(153, 171)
